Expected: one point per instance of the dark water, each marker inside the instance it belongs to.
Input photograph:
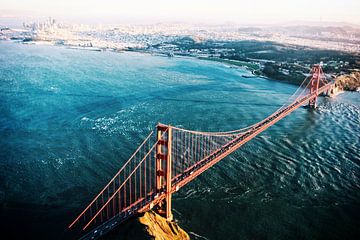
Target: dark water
(70, 118)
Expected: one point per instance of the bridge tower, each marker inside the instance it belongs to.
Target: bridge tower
(163, 168)
(317, 75)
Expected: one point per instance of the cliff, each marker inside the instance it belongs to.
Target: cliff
(349, 82)
(148, 225)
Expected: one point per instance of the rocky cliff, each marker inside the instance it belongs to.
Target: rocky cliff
(146, 226)
(349, 82)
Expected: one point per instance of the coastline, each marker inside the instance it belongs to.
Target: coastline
(226, 62)
(253, 67)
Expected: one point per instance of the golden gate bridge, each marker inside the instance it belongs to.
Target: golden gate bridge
(170, 157)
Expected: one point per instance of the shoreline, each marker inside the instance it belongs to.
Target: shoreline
(252, 67)
(226, 62)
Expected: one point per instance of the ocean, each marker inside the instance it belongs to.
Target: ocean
(70, 118)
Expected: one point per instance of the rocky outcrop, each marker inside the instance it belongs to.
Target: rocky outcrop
(148, 225)
(349, 82)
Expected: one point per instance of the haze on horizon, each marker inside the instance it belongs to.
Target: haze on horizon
(195, 11)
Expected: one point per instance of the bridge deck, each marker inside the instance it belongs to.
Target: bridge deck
(152, 199)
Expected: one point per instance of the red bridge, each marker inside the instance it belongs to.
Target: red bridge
(171, 157)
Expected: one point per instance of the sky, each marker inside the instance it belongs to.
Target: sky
(192, 11)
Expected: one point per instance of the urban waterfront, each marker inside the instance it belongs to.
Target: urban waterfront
(70, 119)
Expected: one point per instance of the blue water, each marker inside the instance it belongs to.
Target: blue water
(70, 118)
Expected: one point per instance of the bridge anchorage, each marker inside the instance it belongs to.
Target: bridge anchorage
(170, 157)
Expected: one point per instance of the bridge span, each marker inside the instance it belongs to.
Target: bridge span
(170, 157)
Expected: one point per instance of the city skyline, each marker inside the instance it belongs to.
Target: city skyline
(209, 12)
